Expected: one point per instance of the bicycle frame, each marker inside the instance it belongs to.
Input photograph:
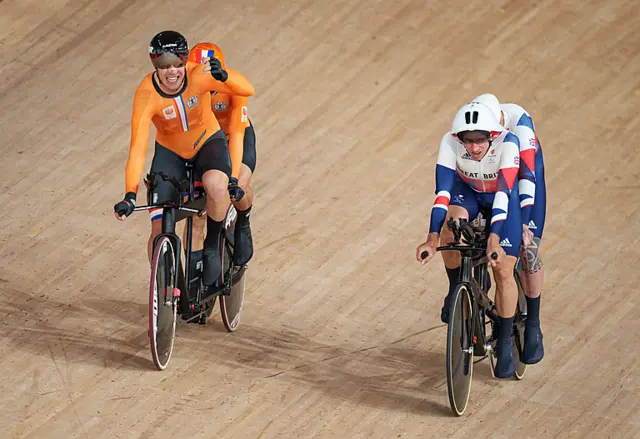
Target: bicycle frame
(169, 210)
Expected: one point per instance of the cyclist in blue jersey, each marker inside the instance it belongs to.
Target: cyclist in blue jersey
(477, 167)
(533, 204)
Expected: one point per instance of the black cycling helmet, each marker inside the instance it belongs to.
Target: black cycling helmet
(168, 45)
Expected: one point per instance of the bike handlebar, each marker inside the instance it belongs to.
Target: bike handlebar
(163, 205)
(463, 229)
(425, 254)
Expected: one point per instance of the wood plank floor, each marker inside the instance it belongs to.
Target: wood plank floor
(340, 337)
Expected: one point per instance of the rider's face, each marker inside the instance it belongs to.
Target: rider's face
(476, 143)
(171, 76)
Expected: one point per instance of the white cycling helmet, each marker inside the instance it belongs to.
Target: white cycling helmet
(490, 101)
(476, 117)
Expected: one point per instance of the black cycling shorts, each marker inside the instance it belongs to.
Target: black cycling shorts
(214, 154)
(249, 148)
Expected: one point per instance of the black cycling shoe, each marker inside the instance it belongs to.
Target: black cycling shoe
(243, 245)
(533, 350)
(444, 312)
(505, 362)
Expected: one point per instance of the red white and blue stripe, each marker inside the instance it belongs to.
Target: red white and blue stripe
(182, 111)
(518, 121)
(203, 54)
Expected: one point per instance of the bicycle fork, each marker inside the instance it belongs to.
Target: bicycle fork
(481, 305)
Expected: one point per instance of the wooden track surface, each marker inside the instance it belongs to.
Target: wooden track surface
(340, 336)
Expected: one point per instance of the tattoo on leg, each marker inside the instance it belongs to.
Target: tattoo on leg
(530, 257)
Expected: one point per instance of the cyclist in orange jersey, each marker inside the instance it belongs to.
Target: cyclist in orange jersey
(176, 98)
(231, 111)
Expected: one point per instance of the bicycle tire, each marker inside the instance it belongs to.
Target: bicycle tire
(460, 349)
(163, 303)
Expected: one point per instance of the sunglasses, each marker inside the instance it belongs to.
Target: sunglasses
(168, 65)
(166, 60)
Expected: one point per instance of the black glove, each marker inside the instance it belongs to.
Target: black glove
(235, 191)
(217, 71)
(125, 207)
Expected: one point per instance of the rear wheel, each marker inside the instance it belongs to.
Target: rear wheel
(163, 302)
(460, 349)
(231, 304)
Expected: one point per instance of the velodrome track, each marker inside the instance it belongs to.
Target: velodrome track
(340, 336)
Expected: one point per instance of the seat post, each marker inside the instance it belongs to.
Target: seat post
(187, 245)
(190, 167)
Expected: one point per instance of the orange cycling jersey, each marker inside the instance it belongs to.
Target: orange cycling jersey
(183, 121)
(232, 115)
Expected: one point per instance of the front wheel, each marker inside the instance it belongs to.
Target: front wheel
(460, 349)
(163, 302)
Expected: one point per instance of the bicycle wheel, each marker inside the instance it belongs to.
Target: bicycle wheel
(460, 349)
(518, 330)
(231, 304)
(163, 302)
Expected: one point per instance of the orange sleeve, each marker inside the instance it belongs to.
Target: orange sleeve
(237, 125)
(140, 126)
(236, 83)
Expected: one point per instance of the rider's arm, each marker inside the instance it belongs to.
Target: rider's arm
(445, 175)
(507, 176)
(236, 83)
(140, 126)
(527, 176)
(237, 125)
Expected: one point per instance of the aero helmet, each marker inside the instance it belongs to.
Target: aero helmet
(476, 117)
(167, 46)
(490, 101)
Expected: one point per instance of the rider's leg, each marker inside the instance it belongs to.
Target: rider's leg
(214, 164)
(463, 204)
(156, 229)
(197, 241)
(533, 270)
(244, 181)
(243, 246)
(533, 276)
(506, 302)
(506, 288)
(197, 233)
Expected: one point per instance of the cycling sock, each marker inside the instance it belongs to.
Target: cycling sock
(454, 277)
(505, 328)
(243, 217)
(213, 232)
(533, 311)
